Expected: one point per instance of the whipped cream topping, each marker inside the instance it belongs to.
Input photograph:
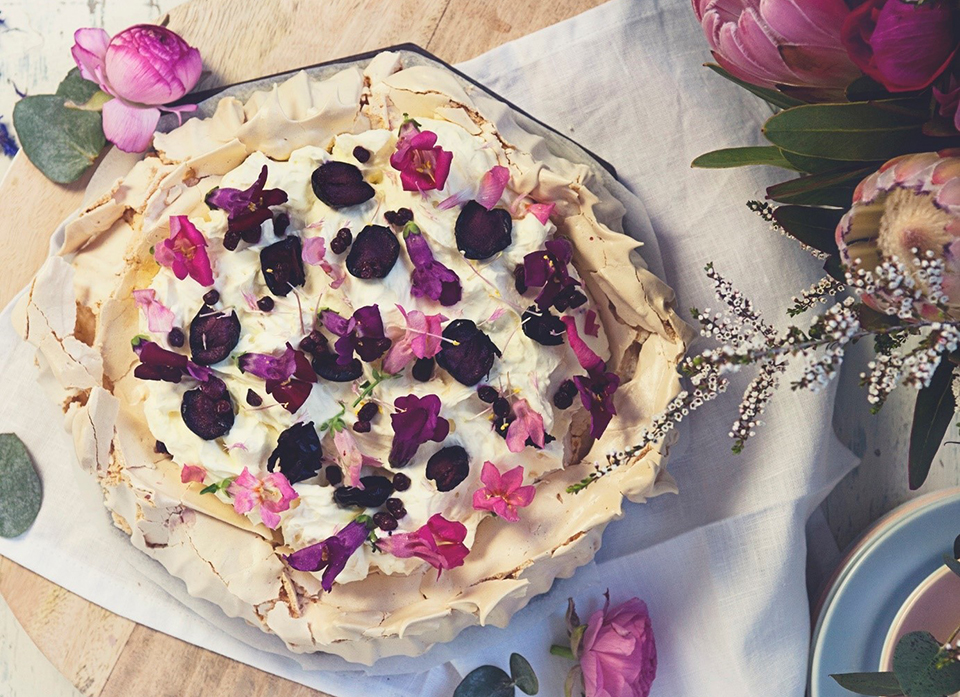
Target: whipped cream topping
(526, 369)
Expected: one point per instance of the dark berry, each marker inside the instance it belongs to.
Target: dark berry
(265, 303)
(334, 474)
(326, 366)
(398, 218)
(520, 279)
(448, 467)
(282, 265)
(563, 398)
(569, 297)
(376, 490)
(543, 326)
(298, 453)
(501, 407)
(401, 482)
(161, 448)
(253, 399)
(361, 426)
(176, 337)
(280, 224)
(384, 521)
(252, 234)
(395, 506)
(502, 423)
(208, 409)
(423, 369)
(487, 393)
(341, 241)
(468, 353)
(340, 184)
(361, 154)
(374, 252)
(213, 335)
(481, 233)
(231, 240)
(314, 342)
(368, 411)
(211, 297)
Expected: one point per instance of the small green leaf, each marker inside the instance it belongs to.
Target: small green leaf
(861, 131)
(825, 189)
(932, 416)
(61, 142)
(865, 88)
(20, 488)
(485, 681)
(922, 668)
(770, 96)
(741, 157)
(834, 268)
(76, 89)
(815, 227)
(880, 684)
(816, 165)
(522, 673)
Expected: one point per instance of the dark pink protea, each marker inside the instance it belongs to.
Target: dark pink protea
(423, 165)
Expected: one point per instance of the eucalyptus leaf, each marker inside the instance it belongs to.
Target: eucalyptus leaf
(814, 227)
(921, 668)
(834, 268)
(61, 142)
(816, 165)
(773, 97)
(523, 676)
(741, 157)
(861, 131)
(932, 416)
(879, 684)
(20, 488)
(825, 189)
(865, 88)
(485, 681)
(952, 564)
(76, 89)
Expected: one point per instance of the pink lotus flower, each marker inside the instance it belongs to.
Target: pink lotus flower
(350, 457)
(618, 654)
(422, 339)
(271, 492)
(423, 165)
(185, 252)
(904, 46)
(503, 493)
(439, 543)
(160, 318)
(192, 473)
(142, 68)
(780, 43)
(528, 424)
(331, 555)
(315, 254)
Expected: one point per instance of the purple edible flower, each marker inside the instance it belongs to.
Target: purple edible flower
(362, 333)
(293, 391)
(331, 555)
(423, 165)
(158, 363)
(548, 268)
(7, 142)
(416, 421)
(246, 209)
(596, 393)
(431, 279)
(269, 367)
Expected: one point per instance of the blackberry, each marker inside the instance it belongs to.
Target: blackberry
(361, 154)
(399, 218)
(376, 491)
(333, 474)
(368, 411)
(265, 303)
(342, 240)
(423, 369)
(362, 426)
(384, 521)
(253, 399)
(211, 297)
(519, 279)
(395, 506)
(487, 394)
(563, 399)
(280, 224)
(401, 482)
(448, 467)
(501, 407)
(176, 337)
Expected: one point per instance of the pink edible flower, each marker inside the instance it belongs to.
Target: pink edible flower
(185, 252)
(315, 254)
(618, 654)
(271, 492)
(527, 424)
(590, 324)
(422, 339)
(351, 459)
(487, 194)
(503, 493)
(159, 317)
(541, 211)
(597, 387)
(587, 358)
(142, 68)
(439, 543)
(193, 473)
(423, 165)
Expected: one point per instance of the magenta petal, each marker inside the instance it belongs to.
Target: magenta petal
(492, 186)
(149, 64)
(586, 357)
(159, 317)
(89, 50)
(912, 44)
(541, 211)
(269, 367)
(128, 127)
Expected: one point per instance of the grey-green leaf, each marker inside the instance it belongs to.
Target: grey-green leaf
(485, 681)
(778, 99)
(76, 89)
(523, 675)
(741, 157)
(879, 684)
(60, 141)
(20, 489)
(932, 416)
(921, 669)
(825, 189)
(814, 227)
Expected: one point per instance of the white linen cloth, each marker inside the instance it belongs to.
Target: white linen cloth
(721, 566)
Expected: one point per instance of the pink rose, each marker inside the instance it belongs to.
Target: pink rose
(142, 68)
(618, 655)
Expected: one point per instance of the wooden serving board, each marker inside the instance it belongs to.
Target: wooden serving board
(103, 654)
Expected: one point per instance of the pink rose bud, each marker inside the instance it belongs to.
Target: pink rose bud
(143, 68)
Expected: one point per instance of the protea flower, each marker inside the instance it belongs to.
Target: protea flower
(781, 44)
(909, 209)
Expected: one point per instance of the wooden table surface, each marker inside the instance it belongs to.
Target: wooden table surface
(101, 653)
